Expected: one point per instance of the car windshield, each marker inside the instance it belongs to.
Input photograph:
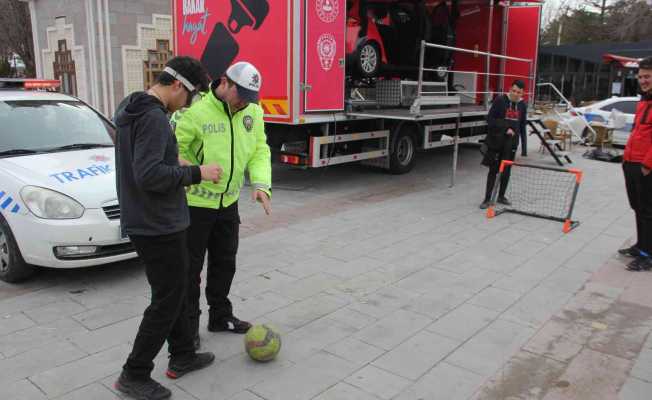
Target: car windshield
(31, 126)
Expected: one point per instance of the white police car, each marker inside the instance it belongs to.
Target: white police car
(601, 111)
(58, 201)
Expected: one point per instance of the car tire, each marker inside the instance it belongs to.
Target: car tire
(12, 266)
(368, 60)
(404, 150)
(587, 136)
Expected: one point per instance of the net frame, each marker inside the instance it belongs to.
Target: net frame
(568, 223)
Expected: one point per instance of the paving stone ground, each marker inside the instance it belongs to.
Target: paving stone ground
(384, 288)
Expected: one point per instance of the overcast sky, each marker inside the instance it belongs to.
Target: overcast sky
(552, 7)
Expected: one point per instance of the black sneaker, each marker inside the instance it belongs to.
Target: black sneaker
(504, 201)
(230, 323)
(179, 367)
(630, 252)
(640, 264)
(147, 389)
(485, 205)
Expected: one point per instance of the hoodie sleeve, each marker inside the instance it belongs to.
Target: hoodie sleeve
(152, 137)
(496, 116)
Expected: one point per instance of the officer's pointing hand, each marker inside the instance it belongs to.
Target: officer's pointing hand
(211, 172)
(261, 197)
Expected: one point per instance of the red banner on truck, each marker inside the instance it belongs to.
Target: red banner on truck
(221, 32)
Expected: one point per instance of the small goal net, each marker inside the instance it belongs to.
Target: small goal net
(537, 191)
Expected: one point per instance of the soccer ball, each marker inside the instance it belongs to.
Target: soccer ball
(262, 342)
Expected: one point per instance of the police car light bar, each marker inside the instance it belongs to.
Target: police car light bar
(27, 84)
(41, 84)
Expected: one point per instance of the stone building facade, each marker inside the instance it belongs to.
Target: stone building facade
(101, 50)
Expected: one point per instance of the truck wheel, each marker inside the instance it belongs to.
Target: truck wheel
(404, 150)
(12, 266)
(369, 60)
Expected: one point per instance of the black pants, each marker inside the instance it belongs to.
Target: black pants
(492, 160)
(218, 232)
(166, 318)
(523, 134)
(639, 192)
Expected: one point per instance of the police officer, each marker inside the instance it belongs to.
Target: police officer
(224, 127)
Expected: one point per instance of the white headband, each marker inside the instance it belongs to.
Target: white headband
(180, 78)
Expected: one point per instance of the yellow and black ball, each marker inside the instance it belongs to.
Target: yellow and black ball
(262, 342)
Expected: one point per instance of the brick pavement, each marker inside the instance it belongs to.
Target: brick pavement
(384, 287)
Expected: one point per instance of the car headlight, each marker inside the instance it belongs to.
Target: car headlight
(48, 204)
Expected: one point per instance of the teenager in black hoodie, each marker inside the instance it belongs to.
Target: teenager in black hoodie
(154, 214)
(506, 122)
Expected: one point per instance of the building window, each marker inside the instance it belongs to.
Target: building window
(156, 60)
(64, 69)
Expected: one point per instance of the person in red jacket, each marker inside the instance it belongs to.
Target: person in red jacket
(637, 165)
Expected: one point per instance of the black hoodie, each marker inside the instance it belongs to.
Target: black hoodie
(505, 114)
(149, 180)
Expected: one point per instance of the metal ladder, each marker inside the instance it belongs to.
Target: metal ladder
(551, 145)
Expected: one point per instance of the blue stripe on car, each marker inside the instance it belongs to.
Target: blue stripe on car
(6, 203)
(593, 117)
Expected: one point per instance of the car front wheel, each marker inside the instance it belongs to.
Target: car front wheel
(12, 266)
(369, 60)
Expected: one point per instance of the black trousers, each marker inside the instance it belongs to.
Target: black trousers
(523, 134)
(218, 232)
(492, 160)
(639, 193)
(166, 318)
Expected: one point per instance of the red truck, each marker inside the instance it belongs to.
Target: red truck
(367, 80)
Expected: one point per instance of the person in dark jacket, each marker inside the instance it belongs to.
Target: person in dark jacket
(506, 122)
(154, 214)
(637, 165)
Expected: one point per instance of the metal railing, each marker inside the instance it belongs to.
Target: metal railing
(573, 110)
(421, 100)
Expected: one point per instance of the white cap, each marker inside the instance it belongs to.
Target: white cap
(248, 80)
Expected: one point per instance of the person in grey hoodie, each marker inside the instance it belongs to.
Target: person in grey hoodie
(154, 214)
